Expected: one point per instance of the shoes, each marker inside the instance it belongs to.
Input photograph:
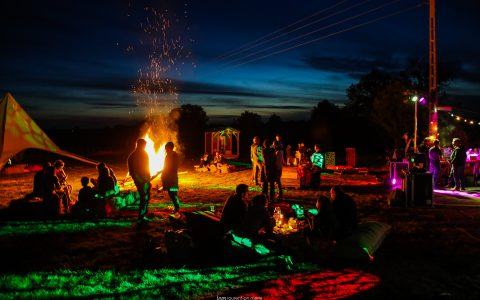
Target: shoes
(454, 189)
(462, 189)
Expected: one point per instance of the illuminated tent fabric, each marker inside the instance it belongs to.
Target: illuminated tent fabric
(19, 132)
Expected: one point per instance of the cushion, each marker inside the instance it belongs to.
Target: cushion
(363, 242)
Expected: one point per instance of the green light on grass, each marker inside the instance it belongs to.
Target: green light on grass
(157, 283)
(43, 227)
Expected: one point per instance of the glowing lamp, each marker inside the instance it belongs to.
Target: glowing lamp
(414, 98)
(422, 100)
(394, 181)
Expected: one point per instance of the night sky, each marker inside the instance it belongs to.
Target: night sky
(75, 63)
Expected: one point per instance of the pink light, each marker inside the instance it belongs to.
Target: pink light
(422, 100)
(394, 181)
(458, 193)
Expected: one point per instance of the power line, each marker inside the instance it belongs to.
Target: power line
(331, 34)
(296, 29)
(238, 50)
(314, 31)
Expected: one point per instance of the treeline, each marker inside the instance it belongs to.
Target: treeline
(376, 115)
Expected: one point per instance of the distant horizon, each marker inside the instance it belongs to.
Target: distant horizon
(77, 64)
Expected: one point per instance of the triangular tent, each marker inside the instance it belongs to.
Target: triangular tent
(19, 132)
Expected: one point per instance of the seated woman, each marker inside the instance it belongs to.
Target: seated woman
(106, 182)
(62, 180)
(104, 185)
(53, 193)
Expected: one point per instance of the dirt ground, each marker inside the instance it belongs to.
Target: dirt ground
(430, 253)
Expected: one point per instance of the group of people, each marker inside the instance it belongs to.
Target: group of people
(268, 161)
(92, 199)
(267, 166)
(432, 156)
(51, 185)
(213, 165)
(336, 217)
(139, 170)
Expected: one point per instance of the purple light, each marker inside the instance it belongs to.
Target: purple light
(422, 100)
(394, 181)
(458, 193)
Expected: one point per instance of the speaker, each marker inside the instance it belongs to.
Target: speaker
(419, 191)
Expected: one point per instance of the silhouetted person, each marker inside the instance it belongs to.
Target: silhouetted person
(105, 183)
(269, 170)
(457, 162)
(138, 167)
(38, 182)
(324, 224)
(434, 156)
(85, 205)
(170, 175)
(345, 211)
(279, 162)
(318, 161)
(258, 220)
(235, 208)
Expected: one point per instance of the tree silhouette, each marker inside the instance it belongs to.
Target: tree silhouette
(192, 124)
(250, 124)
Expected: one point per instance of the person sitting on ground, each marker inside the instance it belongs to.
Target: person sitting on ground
(218, 162)
(345, 211)
(235, 208)
(219, 158)
(258, 221)
(62, 180)
(85, 205)
(323, 224)
(53, 194)
(205, 161)
(38, 182)
(104, 184)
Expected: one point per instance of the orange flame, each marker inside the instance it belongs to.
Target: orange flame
(157, 158)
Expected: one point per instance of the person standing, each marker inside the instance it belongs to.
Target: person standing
(138, 167)
(317, 166)
(269, 170)
(434, 156)
(457, 162)
(279, 162)
(170, 175)
(257, 162)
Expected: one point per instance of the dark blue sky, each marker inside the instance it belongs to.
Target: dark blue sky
(74, 63)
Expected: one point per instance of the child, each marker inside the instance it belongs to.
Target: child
(85, 205)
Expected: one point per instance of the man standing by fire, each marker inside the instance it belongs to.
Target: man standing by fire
(170, 175)
(138, 167)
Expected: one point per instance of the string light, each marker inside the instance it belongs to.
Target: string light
(465, 120)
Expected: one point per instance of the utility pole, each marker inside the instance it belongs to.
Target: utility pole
(432, 82)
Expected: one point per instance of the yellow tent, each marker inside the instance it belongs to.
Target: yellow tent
(19, 132)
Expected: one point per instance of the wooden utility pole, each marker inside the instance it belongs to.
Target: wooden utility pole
(432, 82)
